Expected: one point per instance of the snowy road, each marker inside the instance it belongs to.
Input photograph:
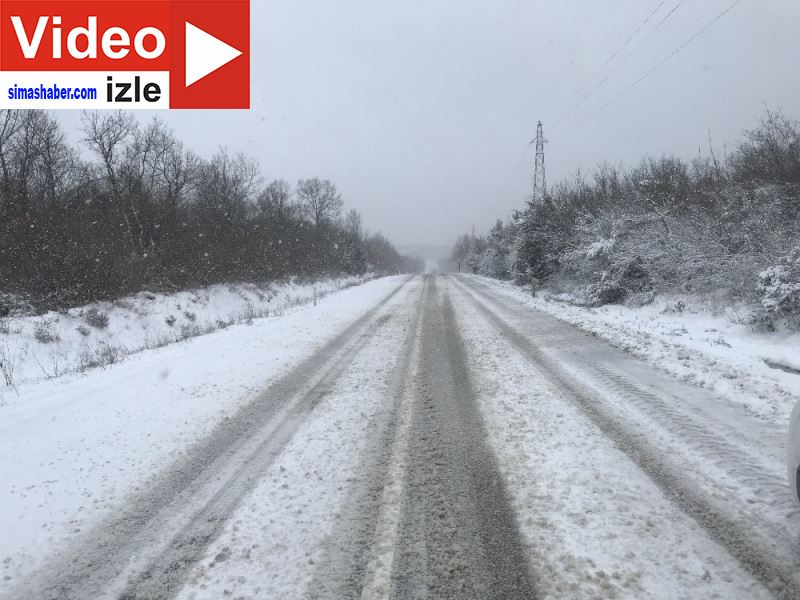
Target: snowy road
(426, 438)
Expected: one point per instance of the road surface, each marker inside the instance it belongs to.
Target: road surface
(449, 442)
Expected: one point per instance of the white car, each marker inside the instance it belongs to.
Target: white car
(794, 452)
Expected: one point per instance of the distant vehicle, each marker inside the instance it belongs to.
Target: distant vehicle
(794, 452)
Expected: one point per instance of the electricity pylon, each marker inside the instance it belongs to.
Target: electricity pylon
(539, 178)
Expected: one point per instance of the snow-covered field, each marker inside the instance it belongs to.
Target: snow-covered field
(56, 343)
(73, 447)
(714, 351)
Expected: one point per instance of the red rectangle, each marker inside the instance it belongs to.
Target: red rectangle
(204, 44)
(229, 86)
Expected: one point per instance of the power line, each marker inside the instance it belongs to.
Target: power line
(647, 74)
(501, 196)
(611, 58)
(655, 29)
(620, 63)
(657, 66)
(669, 14)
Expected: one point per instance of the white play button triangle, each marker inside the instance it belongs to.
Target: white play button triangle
(205, 54)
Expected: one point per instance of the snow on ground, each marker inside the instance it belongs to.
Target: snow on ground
(50, 345)
(71, 448)
(712, 351)
(595, 524)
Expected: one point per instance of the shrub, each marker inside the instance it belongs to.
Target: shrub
(170, 320)
(96, 318)
(44, 334)
(628, 281)
(14, 306)
(189, 331)
(634, 277)
(7, 366)
(607, 292)
(778, 289)
(100, 357)
(675, 308)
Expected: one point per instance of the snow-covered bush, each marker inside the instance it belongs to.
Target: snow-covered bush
(605, 292)
(599, 248)
(627, 282)
(8, 362)
(96, 318)
(12, 305)
(44, 333)
(779, 290)
(491, 256)
(494, 263)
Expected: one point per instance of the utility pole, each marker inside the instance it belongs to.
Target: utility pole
(539, 179)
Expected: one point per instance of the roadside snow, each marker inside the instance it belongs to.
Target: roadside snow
(103, 333)
(711, 351)
(72, 448)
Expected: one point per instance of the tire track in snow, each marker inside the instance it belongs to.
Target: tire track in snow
(355, 549)
(452, 531)
(377, 581)
(439, 523)
(678, 416)
(735, 463)
(146, 550)
(750, 544)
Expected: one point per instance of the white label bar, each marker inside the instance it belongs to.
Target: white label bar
(55, 90)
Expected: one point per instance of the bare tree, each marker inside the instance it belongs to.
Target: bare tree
(147, 213)
(9, 125)
(224, 186)
(771, 152)
(275, 200)
(106, 136)
(320, 200)
(176, 168)
(352, 223)
(25, 155)
(57, 163)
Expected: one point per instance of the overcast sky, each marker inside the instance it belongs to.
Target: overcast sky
(420, 111)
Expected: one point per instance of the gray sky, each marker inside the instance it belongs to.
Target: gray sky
(419, 111)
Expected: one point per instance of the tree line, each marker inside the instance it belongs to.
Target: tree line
(145, 212)
(724, 228)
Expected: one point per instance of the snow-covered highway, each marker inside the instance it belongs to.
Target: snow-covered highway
(408, 438)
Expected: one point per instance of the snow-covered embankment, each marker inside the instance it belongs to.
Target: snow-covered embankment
(56, 343)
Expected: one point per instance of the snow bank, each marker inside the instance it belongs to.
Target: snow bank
(714, 350)
(96, 335)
